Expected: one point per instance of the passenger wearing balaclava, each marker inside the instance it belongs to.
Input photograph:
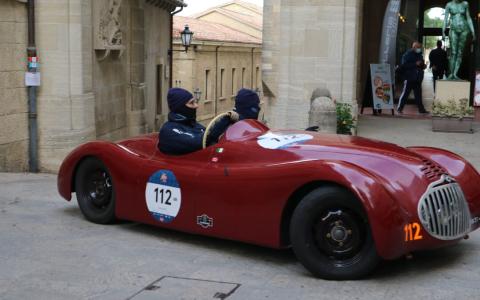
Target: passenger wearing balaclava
(181, 134)
(247, 106)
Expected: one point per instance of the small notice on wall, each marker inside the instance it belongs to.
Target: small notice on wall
(476, 97)
(32, 78)
(381, 86)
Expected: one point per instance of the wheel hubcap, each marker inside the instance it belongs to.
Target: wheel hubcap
(339, 233)
(99, 189)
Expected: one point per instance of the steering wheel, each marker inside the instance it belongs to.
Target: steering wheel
(230, 114)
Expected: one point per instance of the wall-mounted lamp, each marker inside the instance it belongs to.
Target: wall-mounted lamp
(186, 35)
(197, 94)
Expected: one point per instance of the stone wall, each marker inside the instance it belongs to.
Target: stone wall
(157, 66)
(13, 95)
(66, 102)
(190, 73)
(112, 76)
(309, 44)
(91, 88)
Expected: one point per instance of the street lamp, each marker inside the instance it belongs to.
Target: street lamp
(197, 93)
(186, 36)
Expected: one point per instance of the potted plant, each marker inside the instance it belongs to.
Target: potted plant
(345, 120)
(452, 116)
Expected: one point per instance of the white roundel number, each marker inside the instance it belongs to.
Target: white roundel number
(272, 140)
(163, 196)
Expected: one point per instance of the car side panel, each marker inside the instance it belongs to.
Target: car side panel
(130, 173)
(255, 195)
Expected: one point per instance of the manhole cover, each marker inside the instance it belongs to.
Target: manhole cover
(169, 287)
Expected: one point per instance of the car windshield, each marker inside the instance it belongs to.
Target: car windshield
(245, 129)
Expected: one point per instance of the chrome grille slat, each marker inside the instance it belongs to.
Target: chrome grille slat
(451, 211)
(446, 206)
(443, 210)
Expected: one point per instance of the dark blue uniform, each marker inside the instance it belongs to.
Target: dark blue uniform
(413, 76)
(180, 135)
(438, 62)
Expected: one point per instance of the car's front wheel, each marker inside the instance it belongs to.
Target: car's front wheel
(95, 191)
(331, 236)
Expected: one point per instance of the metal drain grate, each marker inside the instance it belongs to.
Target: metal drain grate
(168, 287)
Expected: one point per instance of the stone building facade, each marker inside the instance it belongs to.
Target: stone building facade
(242, 16)
(13, 96)
(221, 60)
(309, 44)
(101, 62)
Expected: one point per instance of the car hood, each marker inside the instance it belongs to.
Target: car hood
(401, 171)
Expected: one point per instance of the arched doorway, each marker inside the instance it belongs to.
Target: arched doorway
(418, 20)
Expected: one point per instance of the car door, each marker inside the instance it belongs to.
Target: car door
(240, 199)
(171, 185)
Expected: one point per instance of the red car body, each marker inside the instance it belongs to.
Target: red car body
(248, 192)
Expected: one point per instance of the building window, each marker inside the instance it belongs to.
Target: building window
(222, 82)
(243, 78)
(234, 82)
(257, 78)
(207, 84)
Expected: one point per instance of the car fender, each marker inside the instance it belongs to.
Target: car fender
(386, 216)
(109, 153)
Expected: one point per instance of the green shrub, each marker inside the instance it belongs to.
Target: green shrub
(345, 120)
(452, 109)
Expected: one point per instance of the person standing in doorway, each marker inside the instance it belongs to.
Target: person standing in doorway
(438, 63)
(412, 67)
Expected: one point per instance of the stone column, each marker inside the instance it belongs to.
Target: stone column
(135, 109)
(66, 103)
(309, 44)
(13, 96)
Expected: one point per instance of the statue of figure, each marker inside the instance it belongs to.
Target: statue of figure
(458, 15)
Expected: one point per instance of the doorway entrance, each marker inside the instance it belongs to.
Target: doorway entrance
(420, 20)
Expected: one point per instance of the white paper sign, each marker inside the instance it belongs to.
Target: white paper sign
(32, 78)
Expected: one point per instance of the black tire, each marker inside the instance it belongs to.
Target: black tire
(331, 236)
(95, 191)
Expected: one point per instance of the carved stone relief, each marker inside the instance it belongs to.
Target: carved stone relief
(108, 27)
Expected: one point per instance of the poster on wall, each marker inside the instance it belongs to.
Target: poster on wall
(382, 89)
(476, 97)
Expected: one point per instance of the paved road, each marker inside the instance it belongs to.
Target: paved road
(49, 251)
(417, 132)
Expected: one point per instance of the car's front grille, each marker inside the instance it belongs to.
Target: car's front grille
(444, 211)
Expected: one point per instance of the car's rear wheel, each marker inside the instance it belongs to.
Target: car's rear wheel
(331, 236)
(95, 191)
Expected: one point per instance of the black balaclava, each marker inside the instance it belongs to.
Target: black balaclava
(177, 98)
(247, 104)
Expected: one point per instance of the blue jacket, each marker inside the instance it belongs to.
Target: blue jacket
(180, 135)
(409, 69)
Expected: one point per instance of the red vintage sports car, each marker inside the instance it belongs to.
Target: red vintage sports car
(343, 203)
